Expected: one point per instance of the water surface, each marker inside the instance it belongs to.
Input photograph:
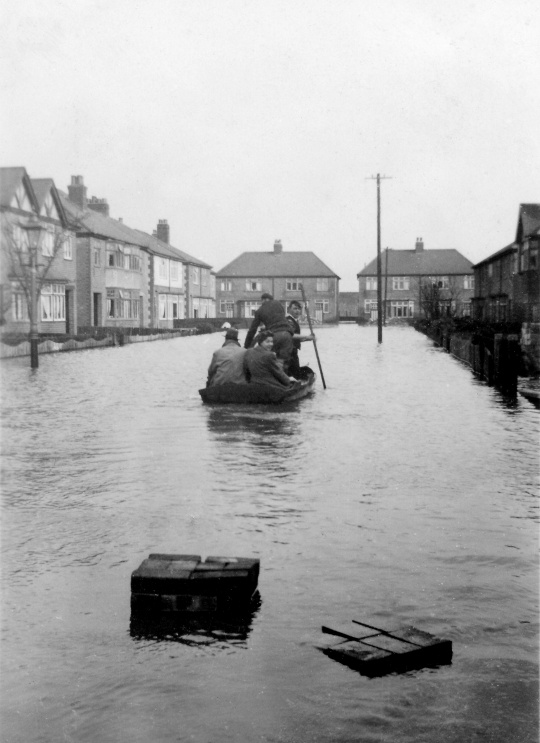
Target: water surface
(406, 493)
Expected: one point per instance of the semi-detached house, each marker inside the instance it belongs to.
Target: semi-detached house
(417, 282)
(126, 277)
(26, 203)
(241, 282)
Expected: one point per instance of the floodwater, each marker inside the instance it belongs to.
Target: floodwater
(404, 493)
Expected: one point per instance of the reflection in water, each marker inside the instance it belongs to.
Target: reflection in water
(221, 631)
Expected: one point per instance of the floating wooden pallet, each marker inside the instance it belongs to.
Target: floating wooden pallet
(382, 652)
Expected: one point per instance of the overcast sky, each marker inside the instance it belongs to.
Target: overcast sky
(243, 121)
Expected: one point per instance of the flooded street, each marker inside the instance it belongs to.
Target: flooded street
(405, 493)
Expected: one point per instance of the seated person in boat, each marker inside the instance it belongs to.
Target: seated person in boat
(261, 364)
(272, 315)
(227, 365)
(294, 311)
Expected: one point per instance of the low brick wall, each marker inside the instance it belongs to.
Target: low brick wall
(116, 339)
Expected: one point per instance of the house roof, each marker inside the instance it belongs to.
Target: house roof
(155, 245)
(420, 263)
(528, 221)
(96, 223)
(507, 249)
(42, 187)
(285, 264)
(10, 179)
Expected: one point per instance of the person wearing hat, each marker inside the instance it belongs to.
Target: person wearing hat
(294, 311)
(262, 366)
(227, 365)
(272, 315)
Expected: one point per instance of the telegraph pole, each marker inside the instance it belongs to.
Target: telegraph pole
(378, 178)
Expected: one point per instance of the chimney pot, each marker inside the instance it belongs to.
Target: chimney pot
(163, 231)
(278, 247)
(99, 205)
(77, 191)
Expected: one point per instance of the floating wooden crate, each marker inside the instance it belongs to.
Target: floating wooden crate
(382, 652)
(183, 583)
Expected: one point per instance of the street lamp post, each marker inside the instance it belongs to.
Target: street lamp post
(34, 230)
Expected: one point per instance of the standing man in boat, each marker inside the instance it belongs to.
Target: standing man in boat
(227, 365)
(293, 313)
(272, 315)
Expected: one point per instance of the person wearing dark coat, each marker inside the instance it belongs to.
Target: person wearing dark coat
(272, 315)
(227, 365)
(294, 312)
(261, 365)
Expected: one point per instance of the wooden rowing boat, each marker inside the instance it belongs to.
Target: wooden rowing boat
(260, 394)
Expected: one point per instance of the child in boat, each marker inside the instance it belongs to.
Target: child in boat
(261, 364)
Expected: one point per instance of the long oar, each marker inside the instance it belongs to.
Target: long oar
(312, 333)
(388, 634)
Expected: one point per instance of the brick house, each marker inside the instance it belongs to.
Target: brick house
(126, 277)
(241, 282)
(417, 282)
(113, 267)
(22, 200)
(507, 283)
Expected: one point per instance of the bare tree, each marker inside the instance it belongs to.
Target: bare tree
(440, 296)
(17, 265)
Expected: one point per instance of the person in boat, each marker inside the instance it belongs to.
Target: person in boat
(262, 366)
(227, 365)
(294, 311)
(272, 315)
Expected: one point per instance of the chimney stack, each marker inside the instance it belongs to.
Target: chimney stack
(278, 247)
(99, 205)
(163, 231)
(419, 245)
(77, 191)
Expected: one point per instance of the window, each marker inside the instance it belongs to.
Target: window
(371, 284)
(402, 309)
(226, 285)
(97, 257)
(47, 246)
(322, 306)
(292, 285)
(196, 273)
(323, 285)
(370, 306)
(175, 271)
(490, 269)
(122, 304)
(162, 269)
(533, 256)
(466, 309)
(400, 283)
(20, 238)
(253, 285)
(226, 308)
(250, 308)
(110, 259)
(68, 247)
(19, 308)
(134, 263)
(468, 282)
(53, 302)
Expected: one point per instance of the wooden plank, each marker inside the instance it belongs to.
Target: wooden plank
(403, 650)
